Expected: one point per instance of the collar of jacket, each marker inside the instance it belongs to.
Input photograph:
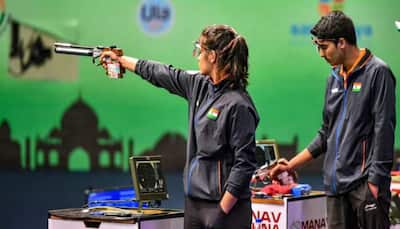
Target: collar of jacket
(360, 65)
(215, 89)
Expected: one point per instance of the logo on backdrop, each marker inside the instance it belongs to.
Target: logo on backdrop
(155, 17)
(326, 6)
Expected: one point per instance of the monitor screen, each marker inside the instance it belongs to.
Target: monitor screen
(148, 179)
(266, 152)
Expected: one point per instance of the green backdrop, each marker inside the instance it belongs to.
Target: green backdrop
(287, 76)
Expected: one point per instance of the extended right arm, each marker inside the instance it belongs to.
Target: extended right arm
(176, 81)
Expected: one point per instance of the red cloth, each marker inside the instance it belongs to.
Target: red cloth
(273, 189)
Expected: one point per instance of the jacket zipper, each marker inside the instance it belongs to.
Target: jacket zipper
(338, 130)
(192, 166)
(364, 146)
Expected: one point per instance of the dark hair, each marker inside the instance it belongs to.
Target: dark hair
(334, 26)
(232, 52)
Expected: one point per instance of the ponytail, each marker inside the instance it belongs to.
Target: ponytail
(234, 58)
(232, 53)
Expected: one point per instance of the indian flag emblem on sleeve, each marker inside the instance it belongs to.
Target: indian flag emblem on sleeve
(213, 114)
(356, 87)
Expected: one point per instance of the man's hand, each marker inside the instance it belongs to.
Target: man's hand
(282, 165)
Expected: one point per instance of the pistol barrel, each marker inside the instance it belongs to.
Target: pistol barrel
(71, 49)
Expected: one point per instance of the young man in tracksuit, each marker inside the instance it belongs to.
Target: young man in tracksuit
(357, 133)
(220, 158)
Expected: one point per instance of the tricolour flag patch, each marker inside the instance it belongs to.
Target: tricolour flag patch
(213, 114)
(356, 87)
